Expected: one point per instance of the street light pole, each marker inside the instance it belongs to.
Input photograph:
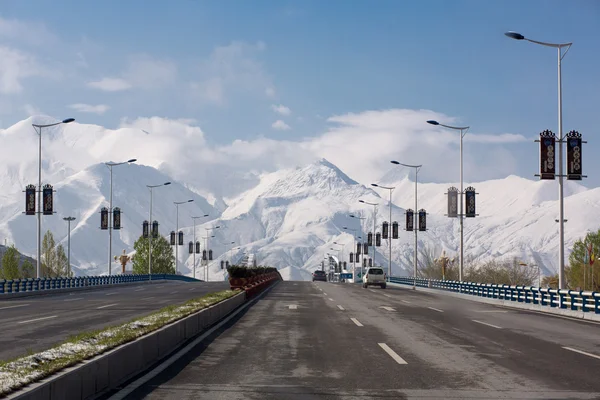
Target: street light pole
(374, 225)
(207, 249)
(561, 209)
(355, 255)
(39, 206)
(391, 189)
(463, 131)
(177, 203)
(416, 213)
(194, 241)
(360, 237)
(150, 187)
(69, 219)
(110, 166)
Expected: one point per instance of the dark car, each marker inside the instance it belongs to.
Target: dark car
(319, 275)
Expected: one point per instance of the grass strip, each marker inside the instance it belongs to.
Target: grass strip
(15, 374)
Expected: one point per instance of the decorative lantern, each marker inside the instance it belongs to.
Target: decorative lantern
(384, 230)
(394, 230)
(47, 198)
(145, 229)
(30, 200)
(155, 229)
(409, 219)
(104, 218)
(117, 218)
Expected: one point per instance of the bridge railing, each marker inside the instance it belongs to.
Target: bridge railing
(43, 284)
(563, 299)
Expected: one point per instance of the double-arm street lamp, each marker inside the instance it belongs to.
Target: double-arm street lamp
(416, 213)
(463, 131)
(38, 129)
(391, 189)
(110, 166)
(194, 241)
(177, 204)
(150, 187)
(561, 215)
(374, 224)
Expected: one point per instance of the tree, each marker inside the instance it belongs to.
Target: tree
(49, 256)
(163, 260)
(10, 263)
(580, 273)
(62, 262)
(27, 270)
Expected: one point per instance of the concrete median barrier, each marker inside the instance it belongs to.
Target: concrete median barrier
(107, 371)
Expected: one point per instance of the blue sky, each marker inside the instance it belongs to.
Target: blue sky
(227, 63)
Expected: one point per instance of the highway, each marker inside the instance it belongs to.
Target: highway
(320, 340)
(38, 322)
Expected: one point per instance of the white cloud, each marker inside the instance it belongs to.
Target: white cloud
(231, 68)
(280, 125)
(88, 108)
(16, 65)
(26, 32)
(281, 109)
(110, 84)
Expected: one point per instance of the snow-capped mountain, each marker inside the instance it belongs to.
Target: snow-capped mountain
(290, 218)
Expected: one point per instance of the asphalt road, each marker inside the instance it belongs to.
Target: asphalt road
(38, 322)
(338, 341)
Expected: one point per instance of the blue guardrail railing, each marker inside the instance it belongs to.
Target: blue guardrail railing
(564, 299)
(42, 284)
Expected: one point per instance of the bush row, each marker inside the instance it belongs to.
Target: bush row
(236, 271)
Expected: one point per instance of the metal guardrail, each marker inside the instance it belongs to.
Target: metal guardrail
(43, 284)
(563, 299)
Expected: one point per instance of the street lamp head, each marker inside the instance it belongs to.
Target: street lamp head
(68, 120)
(514, 35)
(189, 201)
(345, 227)
(132, 160)
(206, 215)
(432, 122)
(395, 162)
(166, 183)
(361, 201)
(374, 184)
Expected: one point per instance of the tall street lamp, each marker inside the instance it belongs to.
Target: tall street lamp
(177, 204)
(150, 187)
(194, 241)
(354, 250)
(415, 222)
(391, 189)
(360, 219)
(69, 219)
(463, 131)
(110, 166)
(207, 245)
(374, 224)
(38, 129)
(561, 210)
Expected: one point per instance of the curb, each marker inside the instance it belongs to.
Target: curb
(107, 371)
(551, 311)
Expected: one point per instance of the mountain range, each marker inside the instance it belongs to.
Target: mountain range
(288, 218)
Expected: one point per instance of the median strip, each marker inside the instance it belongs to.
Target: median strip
(22, 371)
